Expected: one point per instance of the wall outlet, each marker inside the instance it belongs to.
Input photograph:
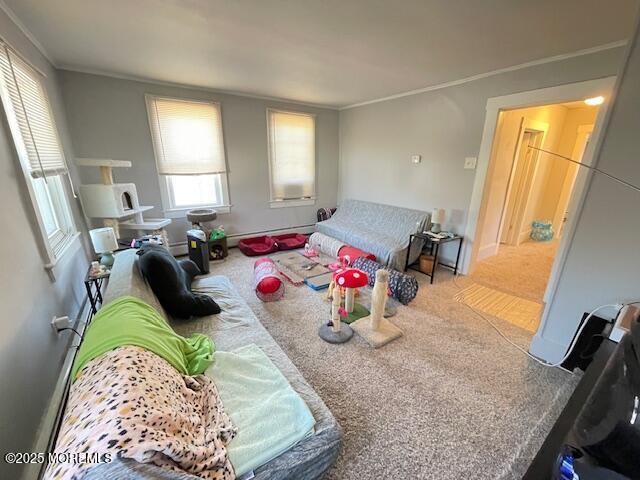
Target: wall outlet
(58, 323)
(470, 163)
(416, 159)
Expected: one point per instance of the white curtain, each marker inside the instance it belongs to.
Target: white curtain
(24, 94)
(187, 136)
(292, 155)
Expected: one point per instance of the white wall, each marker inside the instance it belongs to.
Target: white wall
(603, 260)
(108, 119)
(444, 126)
(30, 353)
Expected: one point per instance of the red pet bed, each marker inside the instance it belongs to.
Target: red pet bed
(257, 246)
(290, 241)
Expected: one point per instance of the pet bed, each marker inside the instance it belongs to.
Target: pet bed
(257, 245)
(290, 241)
(270, 416)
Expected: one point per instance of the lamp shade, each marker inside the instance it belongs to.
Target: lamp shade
(437, 216)
(103, 239)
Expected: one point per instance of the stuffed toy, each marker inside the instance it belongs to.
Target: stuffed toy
(171, 280)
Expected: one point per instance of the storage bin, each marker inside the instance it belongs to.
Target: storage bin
(426, 263)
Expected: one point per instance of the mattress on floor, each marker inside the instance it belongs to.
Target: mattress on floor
(235, 327)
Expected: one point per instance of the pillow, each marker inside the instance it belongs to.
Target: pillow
(171, 283)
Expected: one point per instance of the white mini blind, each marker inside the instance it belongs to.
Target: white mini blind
(292, 155)
(28, 100)
(187, 136)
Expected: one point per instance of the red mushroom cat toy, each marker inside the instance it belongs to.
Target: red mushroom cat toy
(350, 279)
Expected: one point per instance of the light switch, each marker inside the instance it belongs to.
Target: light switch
(416, 158)
(470, 163)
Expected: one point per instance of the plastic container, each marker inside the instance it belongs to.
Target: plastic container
(541, 230)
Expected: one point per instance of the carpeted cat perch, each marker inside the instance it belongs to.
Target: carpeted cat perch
(374, 328)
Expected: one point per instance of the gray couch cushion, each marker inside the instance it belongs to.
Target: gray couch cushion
(379, 229)
(234, 327)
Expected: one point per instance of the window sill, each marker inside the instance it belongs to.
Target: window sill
(182, 212)
(302, 202)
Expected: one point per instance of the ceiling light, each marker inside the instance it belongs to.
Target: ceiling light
(593, 101)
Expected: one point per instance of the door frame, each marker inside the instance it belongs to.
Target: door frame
(570, 179)
(479, 196)
(531, 126)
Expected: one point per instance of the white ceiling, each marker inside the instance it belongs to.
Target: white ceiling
(328, 52)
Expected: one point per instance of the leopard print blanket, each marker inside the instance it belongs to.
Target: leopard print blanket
(131, 403)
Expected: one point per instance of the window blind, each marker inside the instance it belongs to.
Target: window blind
(30, 105)
(292, 155)
(187, 136)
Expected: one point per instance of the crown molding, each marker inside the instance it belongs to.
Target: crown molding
(453, 83)
(136, 78)
(26, 32)
(74, 68)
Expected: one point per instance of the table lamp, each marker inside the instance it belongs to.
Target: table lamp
(104, 243)
(437, 219)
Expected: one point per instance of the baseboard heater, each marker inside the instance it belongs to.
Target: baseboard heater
(52, 419)
(180, 248)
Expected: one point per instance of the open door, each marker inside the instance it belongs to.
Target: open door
(514, 229)
(562, 212)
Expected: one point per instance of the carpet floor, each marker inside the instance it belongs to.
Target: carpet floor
(522, 271)
(448, 400)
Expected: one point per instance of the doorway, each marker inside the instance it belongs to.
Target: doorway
(530, 184)
(519, 190)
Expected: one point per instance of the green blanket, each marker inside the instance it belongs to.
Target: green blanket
(130, 321)
(270, 415)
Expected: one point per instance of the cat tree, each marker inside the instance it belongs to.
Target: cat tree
(374, 328)
(116, 204)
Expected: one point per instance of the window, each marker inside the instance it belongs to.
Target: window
(189, 150)
(33, 129)
(292, 158)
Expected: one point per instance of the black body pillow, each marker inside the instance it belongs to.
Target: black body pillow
(171, 280)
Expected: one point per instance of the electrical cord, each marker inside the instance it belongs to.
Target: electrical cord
(571, 346)
(73, 330)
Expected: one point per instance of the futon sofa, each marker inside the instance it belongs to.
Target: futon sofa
(234, 327)
(380, 229)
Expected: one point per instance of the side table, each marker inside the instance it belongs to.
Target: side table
(93, 285)
(433, 246)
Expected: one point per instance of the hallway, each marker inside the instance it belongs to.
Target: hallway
(511, 284)
(522, 271)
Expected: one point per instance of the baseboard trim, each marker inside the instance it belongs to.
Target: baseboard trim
(180, 248)
(52, 418)
(524, 236)
(487, 251)
(546, 349)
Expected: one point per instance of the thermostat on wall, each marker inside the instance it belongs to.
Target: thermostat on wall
(416, 158)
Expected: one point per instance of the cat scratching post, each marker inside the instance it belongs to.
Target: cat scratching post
(337, 332)
(374, 328)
